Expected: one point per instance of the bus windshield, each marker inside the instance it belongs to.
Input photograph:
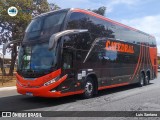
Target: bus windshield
(36, 60)
(45, 26)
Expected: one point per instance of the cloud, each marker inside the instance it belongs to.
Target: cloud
(112, 4)
(128, 2)
(85, 4)
(148, 24)
(92, 4)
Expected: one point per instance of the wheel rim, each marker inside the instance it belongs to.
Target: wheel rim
(142, 80)
(89, 88)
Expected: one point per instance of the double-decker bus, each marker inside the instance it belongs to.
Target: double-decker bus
(75, 51)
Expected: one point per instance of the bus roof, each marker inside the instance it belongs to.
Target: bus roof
(51, 12)
(93, 14)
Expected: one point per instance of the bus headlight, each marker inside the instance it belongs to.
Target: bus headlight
(51, 81)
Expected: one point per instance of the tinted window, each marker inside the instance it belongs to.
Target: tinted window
(44, 26)
(78, 41)
(53, 20)
(77, 21)
(102, 28)
(93, 24)
(110, 56)
(67, 58)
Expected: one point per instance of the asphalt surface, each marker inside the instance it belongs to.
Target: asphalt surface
(126, 98)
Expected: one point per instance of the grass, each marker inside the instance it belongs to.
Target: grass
(7, 81)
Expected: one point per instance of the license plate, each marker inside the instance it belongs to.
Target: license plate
(29, 94)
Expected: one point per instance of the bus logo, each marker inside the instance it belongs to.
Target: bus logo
(120, 47)
(12, 11)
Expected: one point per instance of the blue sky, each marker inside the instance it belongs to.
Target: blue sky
(141, 14)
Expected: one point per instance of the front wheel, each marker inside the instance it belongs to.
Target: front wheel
(88, 88)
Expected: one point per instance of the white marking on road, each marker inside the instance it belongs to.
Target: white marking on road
(7, 88)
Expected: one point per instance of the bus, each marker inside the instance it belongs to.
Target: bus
(76, 51)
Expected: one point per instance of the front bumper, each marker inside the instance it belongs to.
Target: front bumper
(37, 88)
(44, 92)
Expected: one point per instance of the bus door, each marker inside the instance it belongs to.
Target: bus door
(68, 68)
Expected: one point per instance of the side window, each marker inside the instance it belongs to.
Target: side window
(81, 41)
(128, 58)
(53, 20)
(93, 57)
(109, 56)
(84, 41)
(70, 41)
(67, 59)
(77, 21)
(97, 26)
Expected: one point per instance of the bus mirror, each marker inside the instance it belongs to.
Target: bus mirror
(55, 37)
(5, 46)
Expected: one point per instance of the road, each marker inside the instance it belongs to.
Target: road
(126, 98)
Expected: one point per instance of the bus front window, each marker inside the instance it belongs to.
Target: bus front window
(36, 59)
(44, 26)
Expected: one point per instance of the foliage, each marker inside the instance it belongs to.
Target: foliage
(12, 28)
(100, 10)
(54, 7)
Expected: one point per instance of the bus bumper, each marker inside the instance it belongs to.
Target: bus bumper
(38, 87)
(44, 92)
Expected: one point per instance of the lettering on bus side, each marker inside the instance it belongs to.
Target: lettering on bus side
(120, 47)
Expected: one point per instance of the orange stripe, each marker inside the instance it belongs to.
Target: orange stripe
(112, 86)
(141, 62)
(147, 56)
(144, 57)
(140, 56)
(151, 61)
(150, 64)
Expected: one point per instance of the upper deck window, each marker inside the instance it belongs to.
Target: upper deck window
(45, 26)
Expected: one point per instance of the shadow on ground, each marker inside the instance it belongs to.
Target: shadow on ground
(22, 102)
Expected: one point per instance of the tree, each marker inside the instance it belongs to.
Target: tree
(12, 28)
(39, 6)
(53, 7)
(100, 10)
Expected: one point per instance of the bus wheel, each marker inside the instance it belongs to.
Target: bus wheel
(88, 88)
(141, 80)
(147, 80)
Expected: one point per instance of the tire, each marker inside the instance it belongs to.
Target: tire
(141, 80)
(147, 80)
(88, 88)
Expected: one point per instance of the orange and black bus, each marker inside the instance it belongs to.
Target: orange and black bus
(75, 51)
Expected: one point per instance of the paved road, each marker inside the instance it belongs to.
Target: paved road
(127, 98)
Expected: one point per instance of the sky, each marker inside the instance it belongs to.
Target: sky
(143, 15)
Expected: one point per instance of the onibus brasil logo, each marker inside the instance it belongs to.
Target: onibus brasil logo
(12, 11)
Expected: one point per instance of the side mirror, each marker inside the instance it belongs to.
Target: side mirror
(55, 37)
(7, 44)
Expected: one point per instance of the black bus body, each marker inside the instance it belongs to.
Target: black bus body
(109, 54)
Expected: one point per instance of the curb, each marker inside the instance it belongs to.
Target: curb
(7, 88)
